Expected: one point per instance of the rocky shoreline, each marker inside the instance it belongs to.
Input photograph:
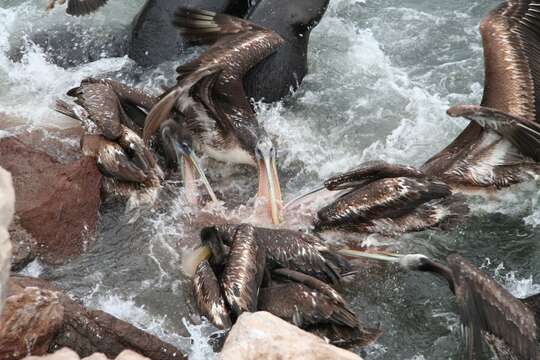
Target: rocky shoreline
(54, 219)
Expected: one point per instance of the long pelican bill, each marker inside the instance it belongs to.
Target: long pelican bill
(302, 196)
(188, 160)
(269, 186)
(195, 163)
(382, 256)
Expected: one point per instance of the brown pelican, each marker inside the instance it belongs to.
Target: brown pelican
(509, 325)
(210, 95)
(241, 278)
(113, 114)
(290, 249)
(126, 158)
(240, 269)
(388, 199)
(499, 148)
(78, 7)
(501, 145)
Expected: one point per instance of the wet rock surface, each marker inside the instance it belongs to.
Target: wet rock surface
(23, 246)
(39, 318)
(30, 321)
(57, 199)
(262, 335)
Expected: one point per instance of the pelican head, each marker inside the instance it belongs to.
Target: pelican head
(178, 147)
(414, 262)
(269, 187)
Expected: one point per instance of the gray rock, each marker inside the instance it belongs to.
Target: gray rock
(262, 335)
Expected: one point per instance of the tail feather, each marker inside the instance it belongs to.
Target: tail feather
(206, 26)
(367, 336)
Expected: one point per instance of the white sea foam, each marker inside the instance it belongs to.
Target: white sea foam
(518, 286)
(33, 269)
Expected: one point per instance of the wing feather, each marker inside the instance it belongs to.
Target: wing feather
(486, 306)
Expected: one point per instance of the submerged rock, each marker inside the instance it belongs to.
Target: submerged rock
(262, 335)
(39, 318)
(57, 203)
(7, 208)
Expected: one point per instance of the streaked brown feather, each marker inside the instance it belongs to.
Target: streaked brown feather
(485, 305)
(385, 198)
(297, 251)
(209, 298)
(369, 172)
(103, 107)
(244, 270)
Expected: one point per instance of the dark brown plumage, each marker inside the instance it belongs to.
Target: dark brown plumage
(208, 296)
(238, 261)
(120, 152)
(294, 250)
(210, 95)
(388, 199)
(313, 305)
(486, 307)
(215, 103)
(243, 272)
(78, 7)
(488, 311)
(501, 146)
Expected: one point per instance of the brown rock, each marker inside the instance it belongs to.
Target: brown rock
(56, 203)
(30, 321)
(84, 331)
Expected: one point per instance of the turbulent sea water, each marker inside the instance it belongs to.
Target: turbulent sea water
(382, 73)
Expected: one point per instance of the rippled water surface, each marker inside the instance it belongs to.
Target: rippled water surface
(382, 74)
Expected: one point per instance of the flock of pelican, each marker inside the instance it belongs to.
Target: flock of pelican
(296, 275)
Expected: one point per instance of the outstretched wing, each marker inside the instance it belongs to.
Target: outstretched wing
(238, 45)
(486, 306)
(511, 39)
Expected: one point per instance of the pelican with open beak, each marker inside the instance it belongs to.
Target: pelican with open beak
(210, 95)
(177, 145)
